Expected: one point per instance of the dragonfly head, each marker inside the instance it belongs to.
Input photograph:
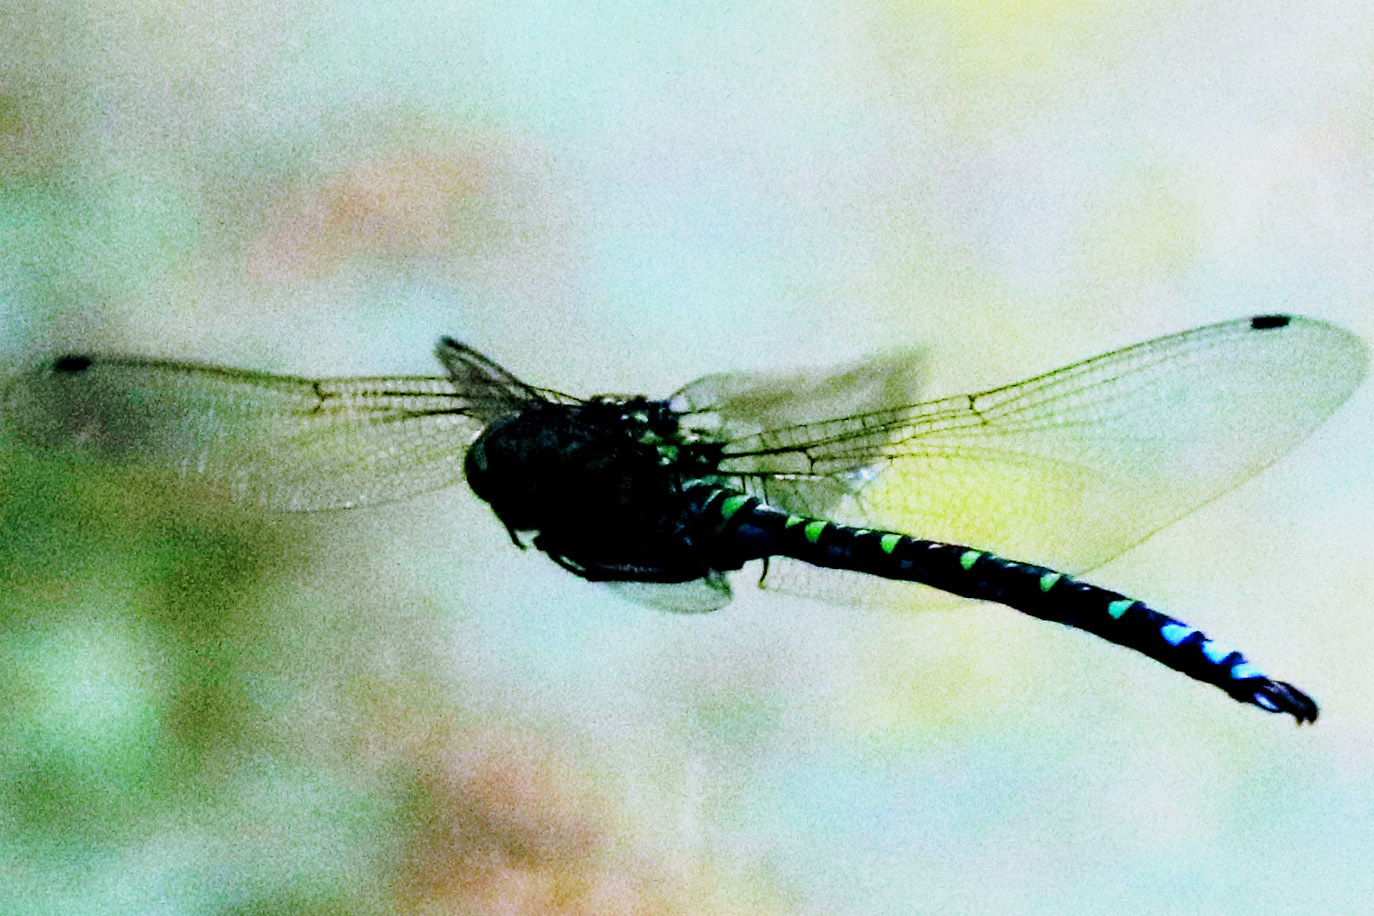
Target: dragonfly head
(550, 463)
(494, 467)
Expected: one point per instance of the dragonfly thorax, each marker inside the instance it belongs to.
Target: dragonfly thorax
(600, 481)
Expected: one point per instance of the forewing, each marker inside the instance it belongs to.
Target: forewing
(487, 388)
(731, 406)
(754, 407)
(1069, 468)
(276, 441)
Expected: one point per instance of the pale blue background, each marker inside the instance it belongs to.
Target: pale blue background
(666, 190)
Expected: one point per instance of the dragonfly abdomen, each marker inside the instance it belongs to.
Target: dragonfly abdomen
(757, 530)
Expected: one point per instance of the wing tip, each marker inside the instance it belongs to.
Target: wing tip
(1270, 322)
(72, 363)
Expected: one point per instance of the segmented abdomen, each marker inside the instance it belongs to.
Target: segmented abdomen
(755, 530)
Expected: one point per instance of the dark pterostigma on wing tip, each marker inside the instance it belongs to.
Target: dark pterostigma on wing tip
(71, 363)
(1269, 322)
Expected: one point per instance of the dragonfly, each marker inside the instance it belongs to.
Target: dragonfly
(843, 483)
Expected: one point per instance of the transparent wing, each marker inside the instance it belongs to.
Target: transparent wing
(1066, 469)
(487, 388)
(276, 441)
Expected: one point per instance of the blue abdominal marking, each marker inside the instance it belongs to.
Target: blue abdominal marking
(1035, 590)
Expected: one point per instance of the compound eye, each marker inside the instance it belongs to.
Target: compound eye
(475, 463)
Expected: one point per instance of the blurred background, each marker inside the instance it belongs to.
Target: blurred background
(207, 710)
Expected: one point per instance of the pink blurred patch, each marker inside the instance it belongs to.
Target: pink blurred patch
(506, 828)
(502, 833)
(30, 144)
(396, 205)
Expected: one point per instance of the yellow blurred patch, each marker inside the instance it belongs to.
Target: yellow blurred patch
(1148, 228)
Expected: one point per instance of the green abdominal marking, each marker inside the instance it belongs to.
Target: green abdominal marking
(730, 506)
(1119, 607)
(1035, 590)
